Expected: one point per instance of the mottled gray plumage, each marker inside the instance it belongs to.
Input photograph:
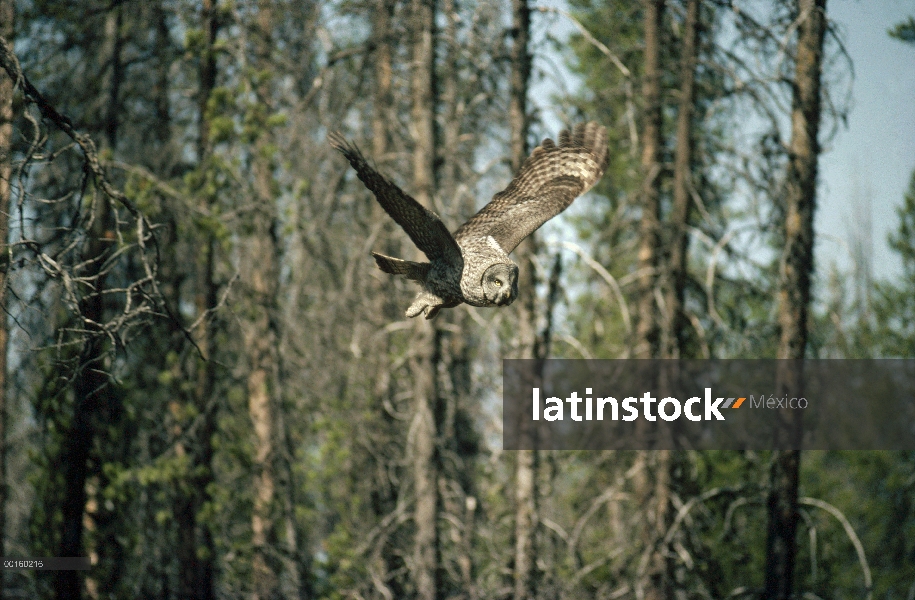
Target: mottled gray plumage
(473, 266)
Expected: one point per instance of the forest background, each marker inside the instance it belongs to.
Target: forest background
(209, 389)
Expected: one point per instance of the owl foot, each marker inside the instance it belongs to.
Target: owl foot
(427, 303)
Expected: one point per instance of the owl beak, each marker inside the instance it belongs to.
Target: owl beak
(508, 295)
(512, 292)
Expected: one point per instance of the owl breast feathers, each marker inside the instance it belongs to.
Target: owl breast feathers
(472, 265)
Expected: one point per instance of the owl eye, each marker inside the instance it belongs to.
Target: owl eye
(498, 282)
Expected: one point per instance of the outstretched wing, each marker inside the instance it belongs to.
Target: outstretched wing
(423, 226)
(549, 180)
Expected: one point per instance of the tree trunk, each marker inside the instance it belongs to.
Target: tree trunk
(458, 439)
(103, 523)
(424, 363)
(646, 341)
(675, 321)
(7, 24)
(653, 487)
(519, 121)
(383, 13)
(260, 253)
(384, 494)
(93, 399)
(520, 80)
(209, 22)
(163, 120)
(525, 555)
(196, 570)
(653, 481)
(797, 259)
(794, 290)
(525, 523)
(257, 342)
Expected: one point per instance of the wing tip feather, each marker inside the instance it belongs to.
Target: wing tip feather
(347, 148)
(337, 141)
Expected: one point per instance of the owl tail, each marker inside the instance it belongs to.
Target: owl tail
(395, 266)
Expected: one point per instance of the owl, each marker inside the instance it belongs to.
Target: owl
(472, 265)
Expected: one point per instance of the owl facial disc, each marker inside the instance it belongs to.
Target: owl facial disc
(500, 284)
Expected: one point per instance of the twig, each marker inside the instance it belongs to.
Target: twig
(850, 532)
(589, 37)
(10, 64)
(610, 279)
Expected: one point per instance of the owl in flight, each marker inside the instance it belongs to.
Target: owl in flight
(472, 265)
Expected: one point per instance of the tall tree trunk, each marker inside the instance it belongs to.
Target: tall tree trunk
(209, 22)
(424, 363)
(653, 480)
(794, 289)
(653, 488)
(7, 27)
(383, 32)
(196, 571)
(646, 341)
(674, 321)
(260, 334)
(457, 437)
(525, 555)
(519, 122)
(259, 342)
(385, 493)
(160, 93)
(103, 522)
(93, 398)
(520, 80)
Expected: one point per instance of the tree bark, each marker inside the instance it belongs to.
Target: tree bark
(93, 399)
(7, 28)
(675, 321)
(520, 80)
(653, 487)
(458, 438)
(107, 549)
(260, 253)
(196, 571)
(524, 571)
(797, 258)
(794, 290)
(384, 494)
(653, 481)
(526, 461)
(209, 22)
(382, 32)
(519, 122)
(647, 330)
(163, 120)
(424, 364)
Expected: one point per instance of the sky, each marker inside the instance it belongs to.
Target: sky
(870, 162)
(866, 167)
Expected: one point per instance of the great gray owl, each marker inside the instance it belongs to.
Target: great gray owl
(472, 265)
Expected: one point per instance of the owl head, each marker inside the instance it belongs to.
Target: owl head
(500, 284)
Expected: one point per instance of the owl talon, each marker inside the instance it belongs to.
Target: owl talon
(426, 303)
(428, 311)
(412, 311)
